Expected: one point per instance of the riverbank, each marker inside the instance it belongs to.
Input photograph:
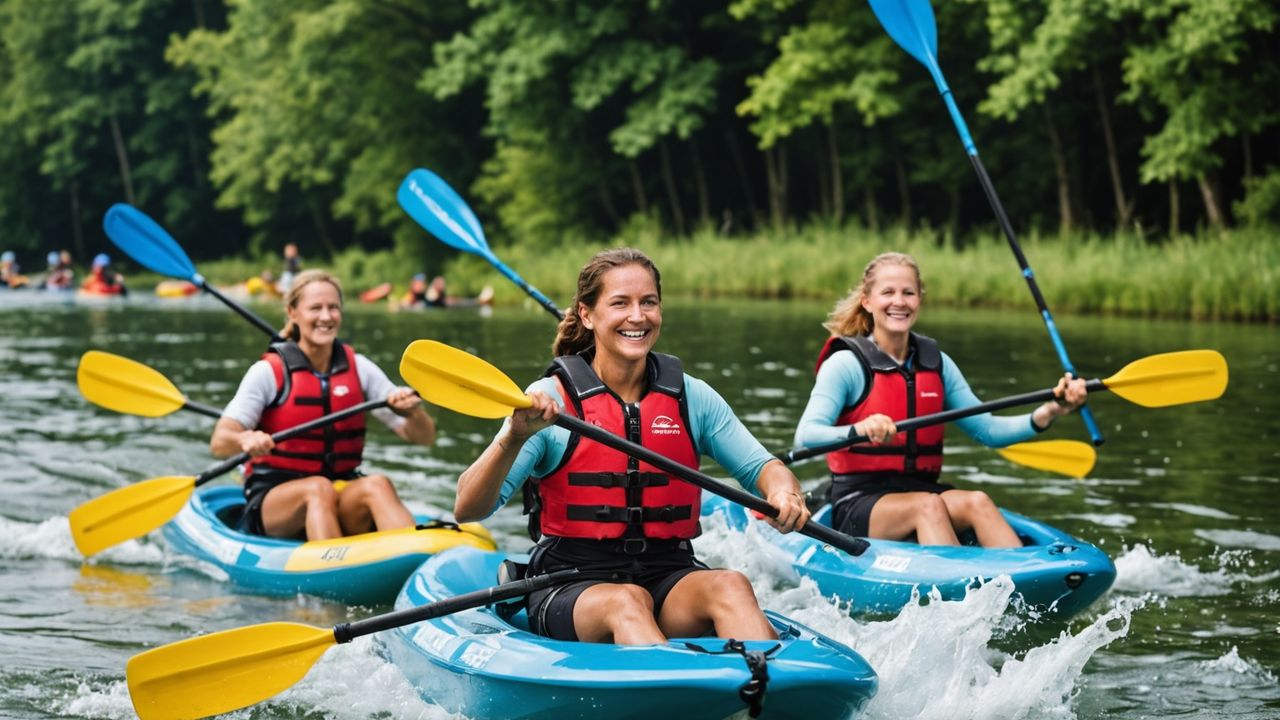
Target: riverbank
(1230, 277)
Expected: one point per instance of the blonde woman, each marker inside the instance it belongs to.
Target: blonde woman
(290, 487)
(874, 370)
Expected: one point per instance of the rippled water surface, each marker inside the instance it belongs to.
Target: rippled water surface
(1183, 499)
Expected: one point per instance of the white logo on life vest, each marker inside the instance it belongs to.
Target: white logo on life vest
(928, 393)
(340, 390)
(663, 425)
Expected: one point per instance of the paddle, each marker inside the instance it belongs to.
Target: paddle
(1065, 457)
(464, 383)
(228, 670)
(1174, 378)
(154, 248)
(911, 25)
(135, 510)
(442, 212)
(127, 386)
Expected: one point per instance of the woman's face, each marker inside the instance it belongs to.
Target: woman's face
(893, 298)
(627, 316)
(318, 313)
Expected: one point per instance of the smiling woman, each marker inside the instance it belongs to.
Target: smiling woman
(312, 483)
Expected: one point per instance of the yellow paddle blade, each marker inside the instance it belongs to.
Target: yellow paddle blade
(460, 381)
(129, 512)
(126, 386)
(1065, 457)
(223, 671)
(1174, 378)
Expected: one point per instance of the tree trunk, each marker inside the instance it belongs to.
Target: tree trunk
(824, 182)
(1210, 197)
(197, 167)
(837, 178)
(322, 231)
(122, 157)
(637, 187)
(199, 8)
(1173, 208)
(77, 233)
(743, 179)
(602, 187)
(873, 213)
(1123, 209)
(904, 189)
(953, 211)
(775, 165)
(1247, 140)
(704, 202)
(1065, 219)
(673, 195)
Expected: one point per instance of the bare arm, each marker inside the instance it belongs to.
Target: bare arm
(418, 427)
(780, 488)
(480, 485)
(231, 438)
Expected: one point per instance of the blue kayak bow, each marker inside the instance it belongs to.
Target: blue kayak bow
(151, 246)
(912, 26)
(442, 212)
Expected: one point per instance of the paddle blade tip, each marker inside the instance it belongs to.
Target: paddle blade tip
(128, 512)
(1173, 378)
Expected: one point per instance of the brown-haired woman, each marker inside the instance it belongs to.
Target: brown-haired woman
(873, 369)
(610, 515)
(312, 482)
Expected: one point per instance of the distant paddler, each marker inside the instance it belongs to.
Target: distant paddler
(874, 368)
(312, 483)
(102, 279)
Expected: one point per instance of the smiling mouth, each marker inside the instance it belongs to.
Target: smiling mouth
(634, 334)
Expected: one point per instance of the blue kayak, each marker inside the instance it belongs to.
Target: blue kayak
(1053, 571)
(475, 663)
(363, 569)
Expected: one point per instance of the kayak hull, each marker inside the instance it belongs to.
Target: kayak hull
(363, 569)
(473, 662)
(1053, 573)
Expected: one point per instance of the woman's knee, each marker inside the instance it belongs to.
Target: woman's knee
(628, 602)
(931, 509)
(319, 490)
(974, 503)
(728, 588)
(378, 486)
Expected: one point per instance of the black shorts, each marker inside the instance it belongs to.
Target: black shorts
(260, 482)
(657, 570)
(852, 501)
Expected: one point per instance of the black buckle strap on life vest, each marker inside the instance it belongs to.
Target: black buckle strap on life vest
(752, 691)
(582, 380)
(628, 479)
(631, 515)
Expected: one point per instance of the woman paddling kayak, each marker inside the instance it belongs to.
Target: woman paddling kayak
(290, 487)
(873, 369)
(610, 515)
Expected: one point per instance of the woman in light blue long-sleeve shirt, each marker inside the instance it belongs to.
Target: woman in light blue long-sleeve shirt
(875, 369)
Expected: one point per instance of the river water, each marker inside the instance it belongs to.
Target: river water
(1182, 498)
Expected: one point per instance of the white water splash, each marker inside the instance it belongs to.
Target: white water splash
(1241, 539)
(96, 700)
(1139, 570)
(1231, 670)
(52, 539)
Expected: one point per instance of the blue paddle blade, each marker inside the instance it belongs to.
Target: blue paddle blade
(912, 26)
(442, 212)
(150, 245)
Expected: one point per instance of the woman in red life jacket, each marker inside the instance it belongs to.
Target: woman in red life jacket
(623, 521)
(874, 369)
(290, 487)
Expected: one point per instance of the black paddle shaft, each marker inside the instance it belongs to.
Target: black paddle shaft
(792, 456)
(231, 462)
(201, 408)
(346, 632)
(847, 543)
(242, 311)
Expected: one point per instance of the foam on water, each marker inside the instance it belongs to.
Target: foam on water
(934, 660)
(1231, 670)
(52, 539)
(1139, 570)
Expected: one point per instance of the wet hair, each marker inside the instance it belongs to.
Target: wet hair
(291, 331)
(572, 336)
(848, 318)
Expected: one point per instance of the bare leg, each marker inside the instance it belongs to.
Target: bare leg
(371, 503)
(899, 515)
(308, 503)
(975, 509)
(618, 613)
(722, 600)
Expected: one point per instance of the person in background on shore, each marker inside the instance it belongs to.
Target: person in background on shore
(63, 276)
(102, 279)
(874, 369)
(10, 274)
(292, 266)
(312, 484)
(599, 510)
(422, 295)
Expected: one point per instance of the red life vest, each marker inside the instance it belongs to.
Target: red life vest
(599, 493)
(303, 395)
(900, 393)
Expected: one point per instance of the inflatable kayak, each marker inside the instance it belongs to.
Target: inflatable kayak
(376, 293)
(176, 288)
(363, 569)
(477, 664)
(1053, 572)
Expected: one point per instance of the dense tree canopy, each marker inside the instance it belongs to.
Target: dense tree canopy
(251, 123)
